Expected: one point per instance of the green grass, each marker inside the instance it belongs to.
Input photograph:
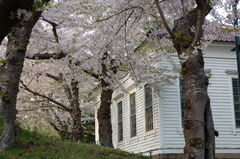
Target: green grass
(31, 145)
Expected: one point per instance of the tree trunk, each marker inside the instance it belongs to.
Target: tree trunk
(10, 72)
(104, 118)
(104, 111)
(76, 113)
(198, 121)
(8, 9)
(61, 130)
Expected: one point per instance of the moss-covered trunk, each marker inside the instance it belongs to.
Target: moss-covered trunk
(10, 72)
(198, 121)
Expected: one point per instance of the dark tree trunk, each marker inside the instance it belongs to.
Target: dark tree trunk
(8, 10)
(104, 118)
(76, 113)
(10, 72)
(198, 121)
(9, 81)
(104, 111)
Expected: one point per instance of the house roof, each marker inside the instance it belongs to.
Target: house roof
(225, 37)
(227, 33)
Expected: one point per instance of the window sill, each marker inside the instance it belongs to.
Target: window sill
(180, 131)
(149, 133)
(133, 139)
(235, 131)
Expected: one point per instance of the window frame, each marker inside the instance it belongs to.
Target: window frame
(234, 106)
(133, 118)
(182, 98)
(120, 121)
(148, 108)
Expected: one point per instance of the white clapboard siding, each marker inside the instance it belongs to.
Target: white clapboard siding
(220, 92)
(144, 141)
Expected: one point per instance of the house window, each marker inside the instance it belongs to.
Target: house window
(133, 124)
(236, 97)
(120, 122)
(182, 97)
(148, 107)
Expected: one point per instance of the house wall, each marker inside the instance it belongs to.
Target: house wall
(223, 68)
(144, 141)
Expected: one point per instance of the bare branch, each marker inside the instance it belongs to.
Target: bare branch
(125, 21)
(54, 28)
(203, 8)
(44, 96)
(91, 73)
(56, 78)
(133, 7)
(59, 126)
(163, 18)
(47, 56)
(63, 81)
(34, 109)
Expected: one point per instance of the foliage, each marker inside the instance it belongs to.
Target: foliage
(32, 107)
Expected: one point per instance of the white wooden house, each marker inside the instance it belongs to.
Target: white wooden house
(144, 121)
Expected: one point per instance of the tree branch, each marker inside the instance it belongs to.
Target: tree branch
(163, 18)
(91, 73)
(47, 56)
(48, 98)
(183, 8)
(133, 7)
(54, 28)
(200, 4)
(57, 119)
(125, 22)
(56, 78)
(64, 84)
(203, 8)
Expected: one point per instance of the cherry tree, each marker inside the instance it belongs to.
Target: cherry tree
(8, 10)
(186, 28)
(11, 67)
(105, 45)
(62, 99)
